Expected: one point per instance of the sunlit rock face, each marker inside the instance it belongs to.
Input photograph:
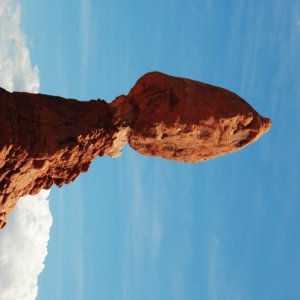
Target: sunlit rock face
(190, 121)
(48, 140)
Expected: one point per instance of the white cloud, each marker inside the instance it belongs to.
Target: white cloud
(24, 247)
(16, 71)
(23, 242)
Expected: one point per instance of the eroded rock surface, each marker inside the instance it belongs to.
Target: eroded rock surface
(190, 121)
(48, 140)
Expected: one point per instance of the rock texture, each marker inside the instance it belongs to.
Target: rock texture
(190, 121)
(48, 140)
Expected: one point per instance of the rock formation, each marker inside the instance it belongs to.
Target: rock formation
(48, 140)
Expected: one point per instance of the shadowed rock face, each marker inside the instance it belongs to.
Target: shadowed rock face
(48, 140)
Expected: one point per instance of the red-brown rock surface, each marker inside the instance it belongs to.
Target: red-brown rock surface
(190, 121)
(48, 140)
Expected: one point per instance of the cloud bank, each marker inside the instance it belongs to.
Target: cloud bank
(23, 243)
(23, 247)
(16, 71)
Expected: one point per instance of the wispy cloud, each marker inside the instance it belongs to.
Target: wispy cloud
(156, 228)
(23, 243)
(214, 268)
(79, 249)
(149, 232)
(85, 26)
(145, 231)
(68, 256)
(146, 224)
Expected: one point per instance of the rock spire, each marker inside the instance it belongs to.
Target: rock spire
(48, 140)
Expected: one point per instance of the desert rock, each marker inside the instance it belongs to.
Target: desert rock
(190, 121)
(48, 140)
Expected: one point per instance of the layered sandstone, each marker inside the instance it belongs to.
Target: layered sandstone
(48, 140)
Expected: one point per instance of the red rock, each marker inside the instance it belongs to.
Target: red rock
(190, 121)
(48, 140)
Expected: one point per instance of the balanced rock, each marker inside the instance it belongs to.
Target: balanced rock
(190, 121)
(48, 140)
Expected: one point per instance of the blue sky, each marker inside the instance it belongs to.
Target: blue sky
(145, 228)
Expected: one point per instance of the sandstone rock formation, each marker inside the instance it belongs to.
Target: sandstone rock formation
(48, 140)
